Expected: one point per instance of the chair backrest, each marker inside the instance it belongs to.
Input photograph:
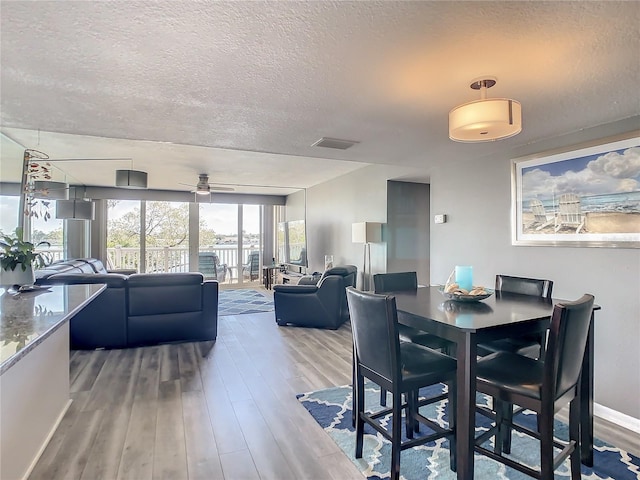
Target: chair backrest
(569, 210)
(566, 345)
(347, 272)
(395, 282)
(374, 327)
(524, 286)
(251, 269)
(254, 261)
(539, 213)
(207, 264)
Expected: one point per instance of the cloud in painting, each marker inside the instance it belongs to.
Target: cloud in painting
(623, 166)
(610, 173)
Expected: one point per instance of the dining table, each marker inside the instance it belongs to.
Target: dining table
(466, 324)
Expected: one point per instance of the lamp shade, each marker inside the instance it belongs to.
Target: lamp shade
(76, 209)
(366, 232)
(131, 179)
(203, 198)
(485, 120)
(50, 190)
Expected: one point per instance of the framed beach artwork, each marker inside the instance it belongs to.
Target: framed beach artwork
(586, 196)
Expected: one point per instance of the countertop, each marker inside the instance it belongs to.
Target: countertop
(28, 318)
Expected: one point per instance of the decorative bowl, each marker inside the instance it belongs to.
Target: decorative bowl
(457, 297)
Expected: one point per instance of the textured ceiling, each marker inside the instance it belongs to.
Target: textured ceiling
(240, 90)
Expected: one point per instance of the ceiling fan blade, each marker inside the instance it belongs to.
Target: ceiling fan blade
(187, 184)
(84, 159)
(223, 189)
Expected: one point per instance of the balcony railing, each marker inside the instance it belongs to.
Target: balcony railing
(165, 259)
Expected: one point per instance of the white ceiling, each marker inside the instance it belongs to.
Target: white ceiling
(240, 90)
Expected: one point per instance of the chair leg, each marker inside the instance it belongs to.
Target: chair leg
(383, 397)
(451, 403)
(359, 409)
(499, 440)
(396, 435)
(354, 413)
(416, 423)
(408, 415)
(574, 435)
(546, 443)
(506, 432)
(411, 423)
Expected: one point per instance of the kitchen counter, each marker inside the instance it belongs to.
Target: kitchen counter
(34, 369)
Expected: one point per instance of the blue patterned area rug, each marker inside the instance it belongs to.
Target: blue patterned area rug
(240, 301)
(331, 408)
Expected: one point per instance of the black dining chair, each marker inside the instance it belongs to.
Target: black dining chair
(399, 367)
(529, 345)
(403, 281)
(544, 386)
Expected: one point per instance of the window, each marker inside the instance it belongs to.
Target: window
(8, 214)
(123, 234)
(219, 236)
(167, 237)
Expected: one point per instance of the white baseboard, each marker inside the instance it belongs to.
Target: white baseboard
(47, 440)
(613, 416)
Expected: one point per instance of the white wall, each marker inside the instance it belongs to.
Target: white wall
(360, 196)
(478, 233)
(476, 197)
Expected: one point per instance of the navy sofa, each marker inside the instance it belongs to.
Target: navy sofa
(142, 309)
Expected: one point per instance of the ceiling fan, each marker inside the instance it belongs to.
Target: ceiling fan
(203, 187)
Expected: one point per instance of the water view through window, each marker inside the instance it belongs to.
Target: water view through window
(154, 237)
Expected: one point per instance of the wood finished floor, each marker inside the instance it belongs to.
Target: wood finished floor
(223, 410)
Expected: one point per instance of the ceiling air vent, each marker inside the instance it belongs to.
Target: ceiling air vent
(327, 142)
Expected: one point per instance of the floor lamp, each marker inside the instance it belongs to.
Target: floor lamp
(366, 233)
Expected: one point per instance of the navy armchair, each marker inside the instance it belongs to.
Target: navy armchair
(322, 305)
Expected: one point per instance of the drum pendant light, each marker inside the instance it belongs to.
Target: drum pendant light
(131, 178)
(487, 119)
(76, 208)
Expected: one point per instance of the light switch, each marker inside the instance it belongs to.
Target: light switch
(440, 218)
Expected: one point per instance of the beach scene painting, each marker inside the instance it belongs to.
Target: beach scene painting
(583, 197)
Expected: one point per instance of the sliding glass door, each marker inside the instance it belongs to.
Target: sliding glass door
(124, 237)
(250, 216)
(229, 234)
(153, 236)
(218, 248)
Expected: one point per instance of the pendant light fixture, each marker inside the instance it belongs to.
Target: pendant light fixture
(134, 179)
(487, 119)
(75, 209)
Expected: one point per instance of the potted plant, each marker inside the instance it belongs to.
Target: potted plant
(18, 259)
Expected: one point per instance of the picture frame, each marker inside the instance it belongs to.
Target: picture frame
(586, 195)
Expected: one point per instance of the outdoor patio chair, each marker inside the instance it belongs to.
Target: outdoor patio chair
(251, 269)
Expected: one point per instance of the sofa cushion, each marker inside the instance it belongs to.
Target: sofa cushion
(171, 307)
(43, 273)
(164, 293)
(96, 265)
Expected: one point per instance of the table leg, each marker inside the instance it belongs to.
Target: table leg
(465, 413)
(586, 401)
